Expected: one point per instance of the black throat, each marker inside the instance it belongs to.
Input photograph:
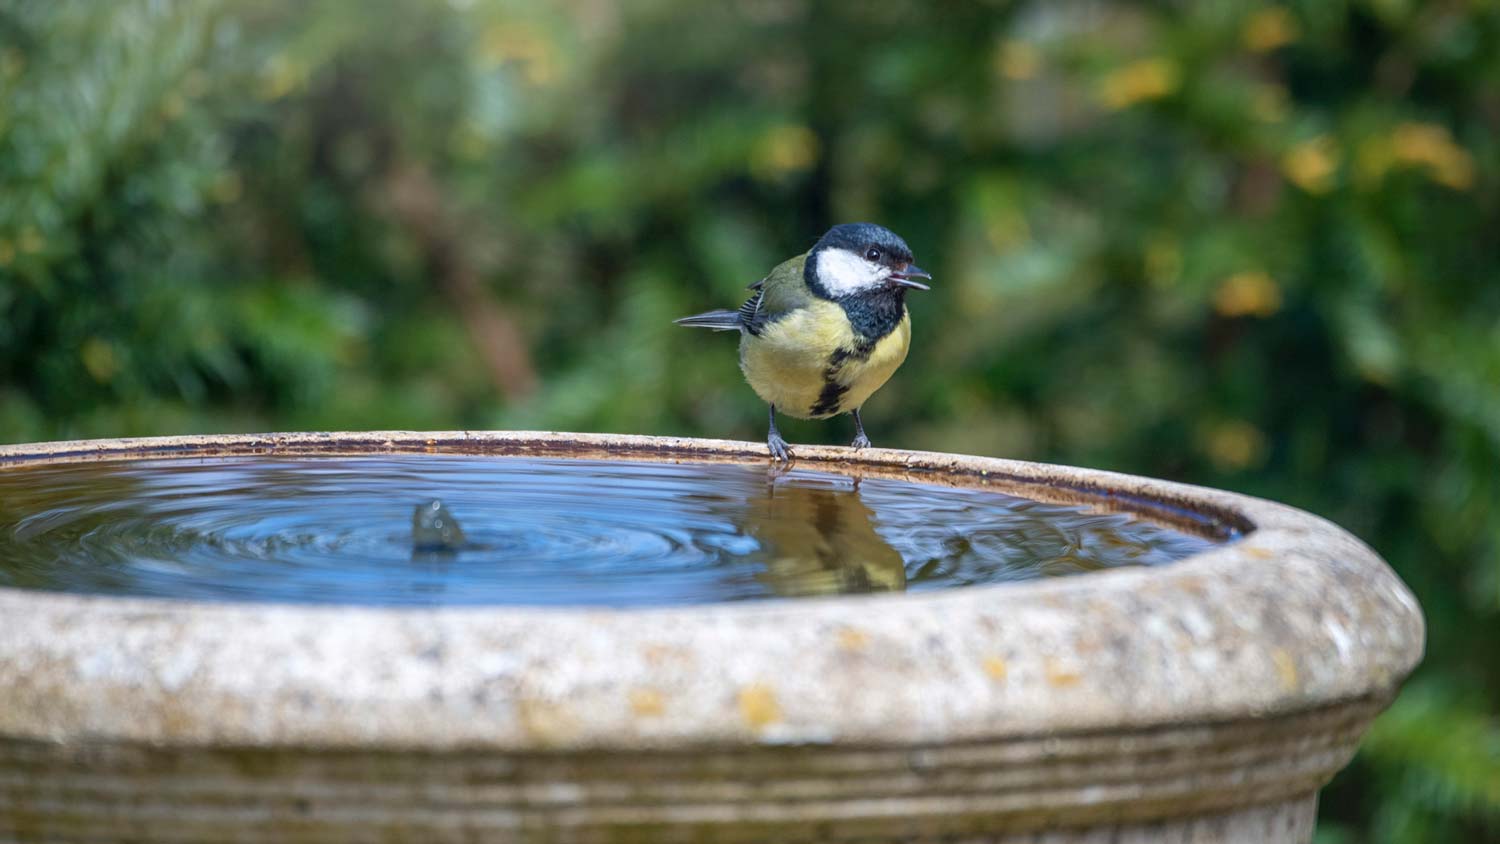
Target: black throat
(874, 313)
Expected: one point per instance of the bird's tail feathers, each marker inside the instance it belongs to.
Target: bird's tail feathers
(716, 320)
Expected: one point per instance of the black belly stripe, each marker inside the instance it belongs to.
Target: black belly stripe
(828, 399)
(833, 392)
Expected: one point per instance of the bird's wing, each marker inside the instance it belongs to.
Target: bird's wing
(751, 318)
(776, 295)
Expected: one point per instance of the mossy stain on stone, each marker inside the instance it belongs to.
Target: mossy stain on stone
(853, 639)
(647, 703)
(1286, 668)
(1061, 676)
(758, 706)
(996, 668)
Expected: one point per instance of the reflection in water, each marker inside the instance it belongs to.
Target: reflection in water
(819, 539)
(535, 531)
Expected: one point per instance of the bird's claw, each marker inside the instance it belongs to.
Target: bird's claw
(780, 450)
(860, 441)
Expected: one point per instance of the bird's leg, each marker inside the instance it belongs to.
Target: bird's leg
(860, 440)
(778, 446)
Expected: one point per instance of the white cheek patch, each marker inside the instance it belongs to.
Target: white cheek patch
(843, 272)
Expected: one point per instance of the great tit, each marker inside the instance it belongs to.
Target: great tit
(827, 328)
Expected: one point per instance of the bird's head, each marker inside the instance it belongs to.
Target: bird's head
(860, 258)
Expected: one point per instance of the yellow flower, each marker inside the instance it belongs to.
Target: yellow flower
(1137, 82)
(1017, 60)
(784, 149)
(1234, 445)
(280, 77)
(1431, 145)
(1311, 165)
(1270, 28)
(1248, 293)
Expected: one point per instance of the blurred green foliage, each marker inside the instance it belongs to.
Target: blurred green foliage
(1246, 245)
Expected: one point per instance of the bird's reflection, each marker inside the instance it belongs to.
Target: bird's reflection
(819, 538)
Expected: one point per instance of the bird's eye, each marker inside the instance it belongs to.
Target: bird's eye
(872, 254)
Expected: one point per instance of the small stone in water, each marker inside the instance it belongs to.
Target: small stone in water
(433, 528)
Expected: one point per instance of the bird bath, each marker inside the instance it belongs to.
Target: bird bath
(232, 638)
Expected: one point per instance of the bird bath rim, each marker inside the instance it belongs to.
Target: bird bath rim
(1295, 617)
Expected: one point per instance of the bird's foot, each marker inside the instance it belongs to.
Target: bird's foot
(860, 441)
(780, 448)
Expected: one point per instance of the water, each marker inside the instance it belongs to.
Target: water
(538, 532)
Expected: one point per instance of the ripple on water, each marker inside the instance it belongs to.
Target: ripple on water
(339, 529)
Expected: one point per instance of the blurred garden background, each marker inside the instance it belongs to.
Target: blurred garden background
(1245, 245)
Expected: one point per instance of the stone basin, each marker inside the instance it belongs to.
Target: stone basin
(1204, 700)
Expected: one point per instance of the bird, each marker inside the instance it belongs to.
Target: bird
(825, 329)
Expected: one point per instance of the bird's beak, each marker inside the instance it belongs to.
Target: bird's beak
(905, 278)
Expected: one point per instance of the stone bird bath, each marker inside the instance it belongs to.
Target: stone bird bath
(1205, 700)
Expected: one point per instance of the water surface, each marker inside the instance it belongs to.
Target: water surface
(536, 532)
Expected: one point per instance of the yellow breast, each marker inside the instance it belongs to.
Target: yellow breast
(809, 364)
